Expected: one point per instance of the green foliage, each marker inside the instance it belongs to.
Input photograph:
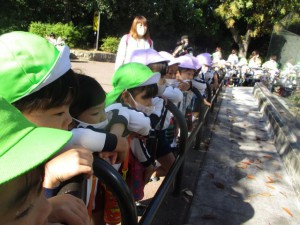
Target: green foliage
(110, 44)
(68, 32)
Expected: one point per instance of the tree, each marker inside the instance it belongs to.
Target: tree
(248, 19)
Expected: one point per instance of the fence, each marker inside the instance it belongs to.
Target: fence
(110, 177)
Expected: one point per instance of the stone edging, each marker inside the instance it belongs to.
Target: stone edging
(92, 56)
(285, 134)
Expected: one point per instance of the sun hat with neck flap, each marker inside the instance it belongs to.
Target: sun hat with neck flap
(28, 63)
(128, 76)
(23, 145)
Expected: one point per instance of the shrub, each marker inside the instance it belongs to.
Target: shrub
(68, 32)
(110, 44)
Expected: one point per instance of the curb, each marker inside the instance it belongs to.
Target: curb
(284, 130)
(92, 56)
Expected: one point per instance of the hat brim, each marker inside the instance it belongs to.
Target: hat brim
(62, 65)
(32, 150)
(112, 96)
(151, 80)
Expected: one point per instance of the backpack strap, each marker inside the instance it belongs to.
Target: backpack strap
(92, 196)
(125, 163)
(163, 118)
(150, 42)
(127, 39)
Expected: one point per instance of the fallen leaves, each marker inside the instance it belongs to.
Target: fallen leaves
(250, 176)
(288, 211)
(270, 186)
(242, 166)
(268, 156)
(264, 194)
(270, 180)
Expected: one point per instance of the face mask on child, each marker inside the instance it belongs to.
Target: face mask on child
(141, 30)
(145, 109)
(101, 125)
(172, 82)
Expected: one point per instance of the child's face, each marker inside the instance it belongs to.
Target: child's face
(93, 115)
(187, 74)
(57, 117)
(172, 71)
(34, 210)
(140, 100)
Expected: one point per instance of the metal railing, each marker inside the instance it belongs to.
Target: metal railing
(110, 177)
(185, 143)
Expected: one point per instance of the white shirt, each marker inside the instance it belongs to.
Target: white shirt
(126, 46)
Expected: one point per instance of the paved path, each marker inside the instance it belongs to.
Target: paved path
(243, 180)
(101, 71)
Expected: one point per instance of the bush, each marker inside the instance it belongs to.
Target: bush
(68, 32)
(110, 44)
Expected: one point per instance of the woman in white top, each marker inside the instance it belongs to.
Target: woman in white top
(138, 38)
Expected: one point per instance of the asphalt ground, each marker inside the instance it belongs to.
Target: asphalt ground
(242, 179)
(101, 71)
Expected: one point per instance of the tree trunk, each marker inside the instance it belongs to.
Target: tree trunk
(242, 41)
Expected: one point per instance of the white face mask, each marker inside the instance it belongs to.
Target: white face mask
(101, 125)
(172, 82)
(148, 110)
(141, 30)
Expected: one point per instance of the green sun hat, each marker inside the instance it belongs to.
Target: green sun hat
(28, 63)
(128, 76)
(23, 145)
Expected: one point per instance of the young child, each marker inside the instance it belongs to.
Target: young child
(24, 148)
(161, 117)
(134, 86)
(36, 78)
(105, 135)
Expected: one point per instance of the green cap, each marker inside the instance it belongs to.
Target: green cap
(23, 145)
(29, 62)
(128, 76)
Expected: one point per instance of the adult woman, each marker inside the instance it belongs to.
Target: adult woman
(138, 38)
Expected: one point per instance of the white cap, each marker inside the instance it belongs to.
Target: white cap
(146, 56)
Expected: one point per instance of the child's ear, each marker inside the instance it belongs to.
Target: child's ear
(125, 97)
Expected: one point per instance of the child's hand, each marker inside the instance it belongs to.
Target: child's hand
(136, 135)
(183, 86)
(67, 165)
(67, 209)
(110, 157)
(122, 144)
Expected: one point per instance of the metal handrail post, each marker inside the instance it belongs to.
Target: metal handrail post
(109, 176)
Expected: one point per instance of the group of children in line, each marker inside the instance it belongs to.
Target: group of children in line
(73, 120)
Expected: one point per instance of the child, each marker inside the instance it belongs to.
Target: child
(24, 149)
(105, 135)
(36, 78)
(134, 86)
(161, 117)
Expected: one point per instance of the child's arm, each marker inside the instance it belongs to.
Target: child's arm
(138, 122)
(122, 144)
(95, 141)
(173, 94)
